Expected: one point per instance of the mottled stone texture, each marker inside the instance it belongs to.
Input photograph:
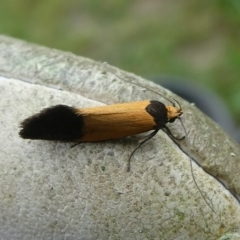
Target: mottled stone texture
(52, 191)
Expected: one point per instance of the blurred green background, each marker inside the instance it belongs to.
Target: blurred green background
(196, 40)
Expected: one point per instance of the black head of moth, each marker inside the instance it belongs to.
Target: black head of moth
(163, 114)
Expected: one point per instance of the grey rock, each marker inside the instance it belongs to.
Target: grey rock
(52, 191)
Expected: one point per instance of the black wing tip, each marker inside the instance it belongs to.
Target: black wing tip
(60, 123)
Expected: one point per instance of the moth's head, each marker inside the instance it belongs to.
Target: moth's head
(174, 112)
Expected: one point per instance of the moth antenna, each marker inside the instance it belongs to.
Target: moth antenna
(191, 166)
(184, 129)
(180, 107)
(145, 88)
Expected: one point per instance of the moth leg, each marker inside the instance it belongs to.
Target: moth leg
(168, 132)
(75, 144)
(148, 137)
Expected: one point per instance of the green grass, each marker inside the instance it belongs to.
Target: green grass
(197, 40)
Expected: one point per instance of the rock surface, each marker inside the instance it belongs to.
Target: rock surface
(52, 191)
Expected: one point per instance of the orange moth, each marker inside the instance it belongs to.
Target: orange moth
(64, 123)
